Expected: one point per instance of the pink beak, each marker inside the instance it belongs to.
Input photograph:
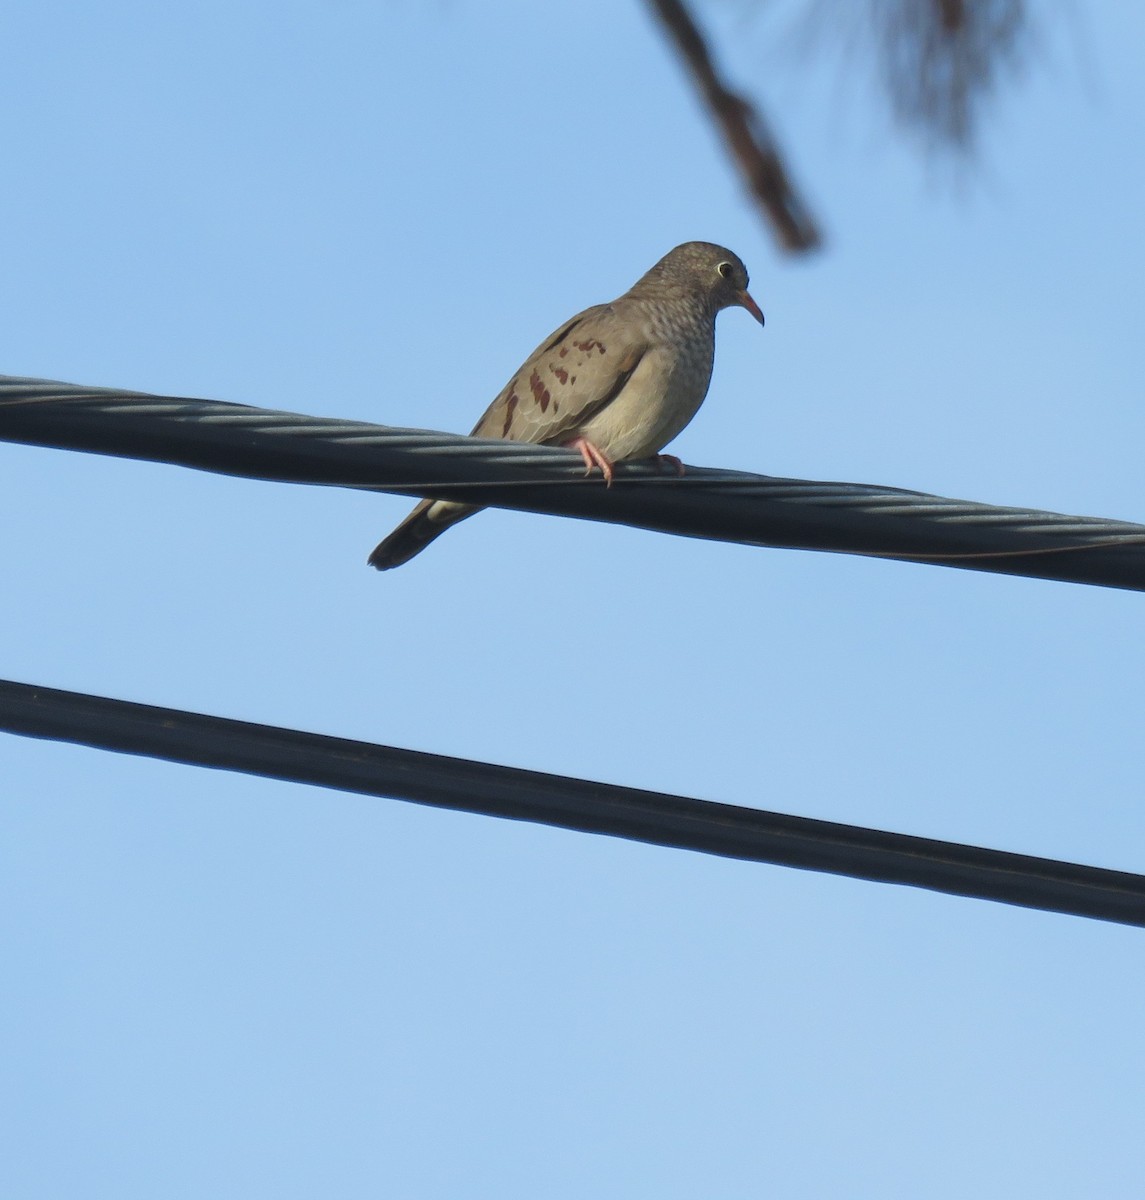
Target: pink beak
(745, 301)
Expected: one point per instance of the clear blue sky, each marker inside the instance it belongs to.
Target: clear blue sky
(227, 987)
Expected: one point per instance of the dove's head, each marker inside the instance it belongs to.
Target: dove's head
(712, 274)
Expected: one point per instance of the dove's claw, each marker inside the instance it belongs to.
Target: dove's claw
(669, 462)
(593, 457)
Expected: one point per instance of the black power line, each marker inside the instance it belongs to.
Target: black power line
(655, 817)
(723, 505)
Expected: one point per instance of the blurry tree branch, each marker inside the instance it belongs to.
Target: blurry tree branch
(939, 61)
(752, 145)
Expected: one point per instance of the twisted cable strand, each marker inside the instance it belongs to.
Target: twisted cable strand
(724, 505)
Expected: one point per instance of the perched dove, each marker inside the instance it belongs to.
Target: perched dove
(618, 381)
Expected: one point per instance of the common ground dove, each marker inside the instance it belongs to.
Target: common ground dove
(618, 381)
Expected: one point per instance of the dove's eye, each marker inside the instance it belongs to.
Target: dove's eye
(725, 269)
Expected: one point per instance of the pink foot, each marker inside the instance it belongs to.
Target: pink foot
(592, 458)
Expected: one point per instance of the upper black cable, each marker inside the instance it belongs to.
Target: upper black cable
(727, 506)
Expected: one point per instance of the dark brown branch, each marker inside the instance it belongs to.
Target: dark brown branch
(752, 145)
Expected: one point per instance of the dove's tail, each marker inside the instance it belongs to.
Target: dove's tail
(429, 520)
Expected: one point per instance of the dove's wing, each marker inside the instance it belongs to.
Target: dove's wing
(567, 380)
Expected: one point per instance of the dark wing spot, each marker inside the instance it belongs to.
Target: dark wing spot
(510, 409)
(560, 373)
(589, 345)
(540, 392)
(564, 351)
